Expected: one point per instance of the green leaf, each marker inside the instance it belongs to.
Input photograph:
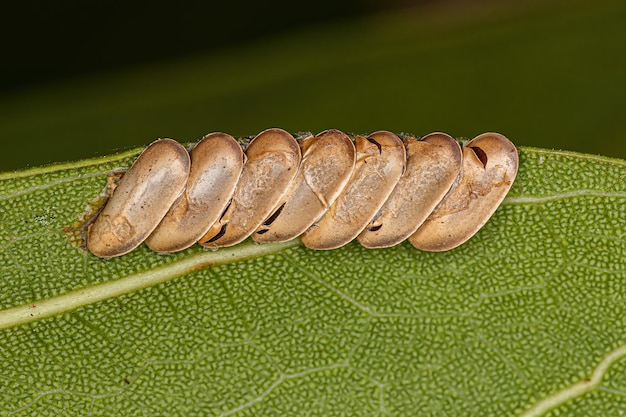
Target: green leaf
(527, 317)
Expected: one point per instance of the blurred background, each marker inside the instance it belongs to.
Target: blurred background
(83, 79)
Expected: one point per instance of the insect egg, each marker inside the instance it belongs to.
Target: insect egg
(490, 164)
(379, 165)
(216, 164)
(433, 164)
(145, 193)
(273, 158)
(327, 163)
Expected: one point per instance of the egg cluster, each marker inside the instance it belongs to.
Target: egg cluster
(328, 188)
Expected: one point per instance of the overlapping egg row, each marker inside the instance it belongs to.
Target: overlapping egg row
(328, 188)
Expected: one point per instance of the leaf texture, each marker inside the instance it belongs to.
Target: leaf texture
(527, 318)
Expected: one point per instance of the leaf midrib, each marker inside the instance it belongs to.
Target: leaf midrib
(72, 300)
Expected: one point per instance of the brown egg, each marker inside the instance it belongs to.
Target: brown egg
(327, 163)
(490, 164)
(145, 193)
(433, 164)
(273, 158)
(216, 164)
(379, 165)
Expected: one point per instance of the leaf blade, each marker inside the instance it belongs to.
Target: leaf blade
(528, 307)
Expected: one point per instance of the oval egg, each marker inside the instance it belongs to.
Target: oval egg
(273, 158)
(380, 162)
(433, 164)
(144, 195)
(327, 162)
(216, 164)
(490, 164)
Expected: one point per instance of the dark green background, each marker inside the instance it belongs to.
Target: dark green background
(78, 83)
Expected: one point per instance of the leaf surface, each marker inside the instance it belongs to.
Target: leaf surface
(528, 317)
